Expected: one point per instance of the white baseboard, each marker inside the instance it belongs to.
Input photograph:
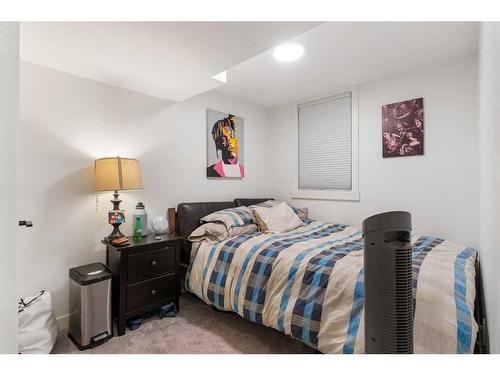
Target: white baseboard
(63, 322)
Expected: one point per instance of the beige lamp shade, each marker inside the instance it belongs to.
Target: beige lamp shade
(113, 174)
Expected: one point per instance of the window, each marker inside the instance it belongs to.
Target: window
(327, 148)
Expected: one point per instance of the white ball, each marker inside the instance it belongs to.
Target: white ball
(160, 225)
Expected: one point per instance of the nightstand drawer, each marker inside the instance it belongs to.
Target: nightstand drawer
(149, 292)
(146, 265)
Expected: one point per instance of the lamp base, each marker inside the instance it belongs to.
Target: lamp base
(115, 233)
(116, 217)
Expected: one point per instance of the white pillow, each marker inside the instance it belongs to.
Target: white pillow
(280, 218)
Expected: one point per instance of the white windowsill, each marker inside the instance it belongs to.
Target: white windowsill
(333, 195)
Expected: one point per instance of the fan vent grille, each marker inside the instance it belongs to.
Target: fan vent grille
(388, 284)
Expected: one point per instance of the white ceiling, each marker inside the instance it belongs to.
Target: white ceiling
(177, 60)
(339, 55)
(171, 60)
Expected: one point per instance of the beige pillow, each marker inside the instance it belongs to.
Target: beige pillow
(217, 232)
(279, 219)
(302, 213)
(246, 229)
(210, 232)
(260, 224)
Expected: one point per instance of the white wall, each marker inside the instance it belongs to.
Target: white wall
(489, 238)
(438, 188)
(66, 122)
(9, 90)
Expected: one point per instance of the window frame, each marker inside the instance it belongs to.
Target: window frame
(332, 194)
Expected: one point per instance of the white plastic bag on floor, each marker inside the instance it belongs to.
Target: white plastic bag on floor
(37, 325)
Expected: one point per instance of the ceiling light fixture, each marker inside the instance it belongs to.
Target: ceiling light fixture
(221, 77)
(287, 52)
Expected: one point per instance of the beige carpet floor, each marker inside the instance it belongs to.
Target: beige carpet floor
(197, 329)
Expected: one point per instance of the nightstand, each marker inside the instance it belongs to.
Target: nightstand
(145, 276)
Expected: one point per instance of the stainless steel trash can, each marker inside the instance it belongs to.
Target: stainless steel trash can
(90, 321)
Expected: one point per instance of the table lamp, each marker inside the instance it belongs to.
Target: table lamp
(115, 174)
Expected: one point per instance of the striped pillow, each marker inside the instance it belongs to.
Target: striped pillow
(231, 217)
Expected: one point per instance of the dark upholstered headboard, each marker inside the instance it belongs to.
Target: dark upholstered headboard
(188, 217)
(249, 201)
(189, 214)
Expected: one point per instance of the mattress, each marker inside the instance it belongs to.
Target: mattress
(308, 283)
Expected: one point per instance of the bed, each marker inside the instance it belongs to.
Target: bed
(308, 283)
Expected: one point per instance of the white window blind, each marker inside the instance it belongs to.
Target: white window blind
(325, 144)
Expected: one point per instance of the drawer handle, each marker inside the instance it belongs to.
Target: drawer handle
(153, 263)
(153, 292)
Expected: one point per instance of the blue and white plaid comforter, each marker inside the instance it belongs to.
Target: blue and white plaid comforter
(308, 283)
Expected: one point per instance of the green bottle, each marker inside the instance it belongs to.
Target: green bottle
(138, 229)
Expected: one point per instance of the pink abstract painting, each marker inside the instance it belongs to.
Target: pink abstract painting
(403, 128)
